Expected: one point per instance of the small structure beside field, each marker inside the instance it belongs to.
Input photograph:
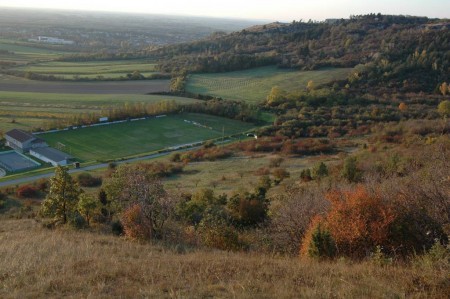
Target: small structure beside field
(51, 155)
(23, 141)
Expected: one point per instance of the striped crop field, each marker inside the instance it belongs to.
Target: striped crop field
(255, 84)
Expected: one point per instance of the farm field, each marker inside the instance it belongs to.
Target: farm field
(131, 138)
(121, 87)
(255, 84)
(107, 69)
(18, 52)
(27, 110)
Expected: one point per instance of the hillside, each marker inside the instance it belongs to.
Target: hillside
(411, 53)
(40, 263)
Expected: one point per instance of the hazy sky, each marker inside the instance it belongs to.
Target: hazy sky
(282, 10)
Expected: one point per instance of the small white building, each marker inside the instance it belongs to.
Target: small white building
(51, 155)
(23, 141)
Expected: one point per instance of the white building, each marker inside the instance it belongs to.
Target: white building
(23, 141)
(51, 155)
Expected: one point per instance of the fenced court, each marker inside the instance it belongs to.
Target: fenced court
(13, 161)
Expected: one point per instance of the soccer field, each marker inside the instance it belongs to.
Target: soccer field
(131, 138)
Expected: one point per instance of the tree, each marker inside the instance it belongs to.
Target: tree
(87, 205)
(132, 185)
(319, 171)
(444, 88)
(359, 221)
(350, 170)
(276, 96)
(318, 242)
(61, 201)
(444, 108)
(178, 84)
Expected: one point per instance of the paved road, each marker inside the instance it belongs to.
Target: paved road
(97, 166)
(75, 170)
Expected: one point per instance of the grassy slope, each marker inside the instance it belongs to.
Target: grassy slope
(125, 139)
(40, 263)
(254, 85)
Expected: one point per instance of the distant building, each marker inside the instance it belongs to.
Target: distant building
(54, 40)
(23, 141)
(51, 155)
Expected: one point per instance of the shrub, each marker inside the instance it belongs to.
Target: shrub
(27, 191)
(117, 228)
(350, 171)
(319, 171)
(216, 233)
(359, 221)
(135, 225)
(305, 175)
(318, 242)
(87, 180)
(280, 174)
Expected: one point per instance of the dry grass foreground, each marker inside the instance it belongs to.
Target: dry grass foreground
(40, 263)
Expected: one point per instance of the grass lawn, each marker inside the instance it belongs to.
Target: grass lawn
(255, 84)
(126, 139)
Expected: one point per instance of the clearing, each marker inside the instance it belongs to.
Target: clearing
(255, 84)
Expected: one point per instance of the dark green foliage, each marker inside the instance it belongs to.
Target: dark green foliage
(322, 244)
(117, 228)
(77, 221)
(320, 170)
(350, 170)
(249, 209)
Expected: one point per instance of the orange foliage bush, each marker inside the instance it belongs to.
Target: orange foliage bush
(135, 225)
(359, 221)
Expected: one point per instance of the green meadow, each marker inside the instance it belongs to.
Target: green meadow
(144, 136)
(255, 84)
(107, 69)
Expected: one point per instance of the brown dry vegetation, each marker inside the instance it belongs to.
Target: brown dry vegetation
(40, 263)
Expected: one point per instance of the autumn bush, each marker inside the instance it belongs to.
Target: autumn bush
(27, 191)
(135, 225)
(359, 220)
(85, 179)
(216, 233)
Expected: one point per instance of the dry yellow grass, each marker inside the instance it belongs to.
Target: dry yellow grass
(40, 263)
